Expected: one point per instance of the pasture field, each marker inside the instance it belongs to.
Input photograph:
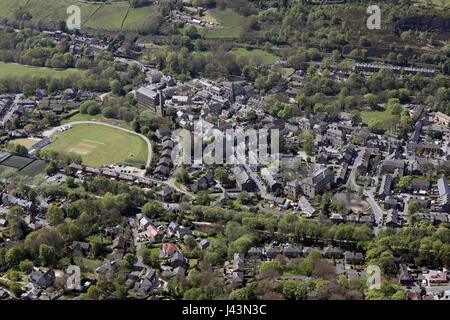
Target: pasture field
(99, 144)
(137, 17)
(231, 24)
(109, 16)
(18, 70)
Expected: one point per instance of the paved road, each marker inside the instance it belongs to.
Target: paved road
(51, 131)
(377, 211)
(10, 114)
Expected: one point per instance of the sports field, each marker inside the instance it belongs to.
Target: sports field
(98, 144)
(23, 165)
(18, 70)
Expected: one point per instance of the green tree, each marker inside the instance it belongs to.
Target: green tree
(374, 294)
(152, 209)
(355, 117)
(14, 256)
(55, 215)
(93, 292)
(47, 254)
(26, 266)
(271, 265)
(399, 295)
(116, 87)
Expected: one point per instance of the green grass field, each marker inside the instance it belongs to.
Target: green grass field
(96, 16)
(137, 17)
(385, 116)
(231, 24)
(98, 144)
(81, 117)
(18, 70)
(267, 57)
(27, 143)
(108, 17)
(368, 115)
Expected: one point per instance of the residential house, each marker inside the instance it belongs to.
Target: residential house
(254, 253)
(272, 252)
(292, 252)
(41, 278)
(317, 182)
(243, 181)
(331, 252)
(353, 258)
(386, 184)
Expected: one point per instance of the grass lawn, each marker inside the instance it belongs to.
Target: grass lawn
(27, 143)
(18, 70)
(98, 144)
(368, 115)
(291, 273)
(81, 117)
(92, 264)
(287, 71)
(192, 262)
(267, 57)
(384, 116)
(207, 17)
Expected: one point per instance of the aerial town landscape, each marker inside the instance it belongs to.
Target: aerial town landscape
(95, 203)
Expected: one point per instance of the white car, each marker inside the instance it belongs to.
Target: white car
(424, 282)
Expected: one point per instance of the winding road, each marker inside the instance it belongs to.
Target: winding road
(51, 131)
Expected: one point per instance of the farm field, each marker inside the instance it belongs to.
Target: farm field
(109, 16)
(18, 70)
(137, 17)
(98, 144)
